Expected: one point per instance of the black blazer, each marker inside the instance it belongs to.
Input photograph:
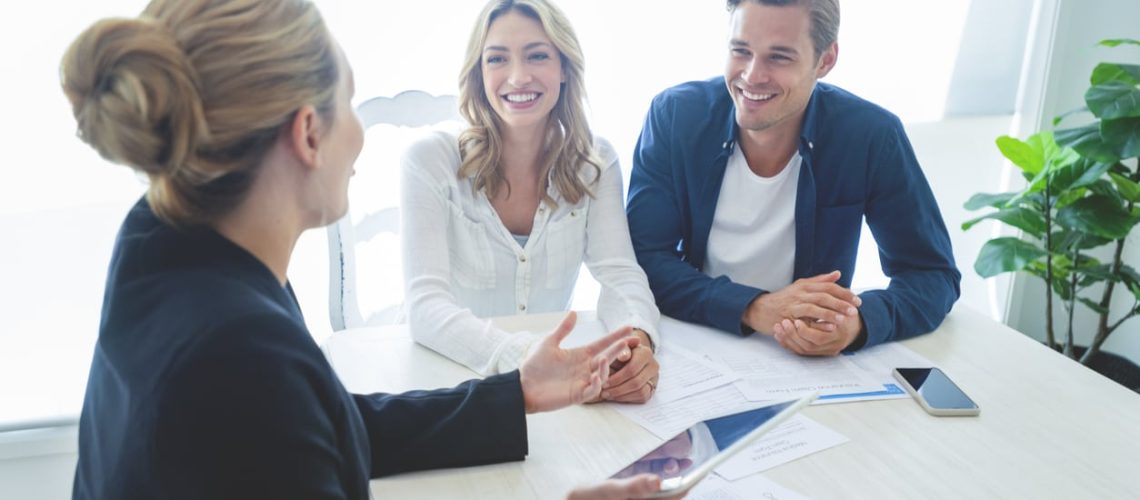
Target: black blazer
(205, 383)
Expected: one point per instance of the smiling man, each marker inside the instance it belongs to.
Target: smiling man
(749, 190)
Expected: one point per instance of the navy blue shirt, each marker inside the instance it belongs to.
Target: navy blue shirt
(205, 383)
(857, 162)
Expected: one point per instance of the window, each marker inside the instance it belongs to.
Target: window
(61, 204)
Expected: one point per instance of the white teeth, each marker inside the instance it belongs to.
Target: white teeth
(522, 97)
(756, 97)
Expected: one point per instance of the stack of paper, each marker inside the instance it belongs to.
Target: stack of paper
(706, 373)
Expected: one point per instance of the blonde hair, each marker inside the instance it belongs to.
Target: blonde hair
(569, 145)
(193, 93)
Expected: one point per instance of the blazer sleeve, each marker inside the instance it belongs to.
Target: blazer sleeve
(660, 225)
(914, 246)
(265, 417)
(478, 422)
(252, 413)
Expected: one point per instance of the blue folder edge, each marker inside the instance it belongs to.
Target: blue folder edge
(888, 390)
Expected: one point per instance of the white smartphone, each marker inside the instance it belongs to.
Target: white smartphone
(688, 457)
(937, 394)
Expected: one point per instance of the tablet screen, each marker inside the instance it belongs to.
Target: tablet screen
(698, 444)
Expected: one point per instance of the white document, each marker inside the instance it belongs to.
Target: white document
(799, 437)
(684, 373)
(770, 372)
(665, 420)
(753, 487)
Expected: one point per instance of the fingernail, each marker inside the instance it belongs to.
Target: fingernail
(839, 318)
(858, 300)
(851, 311)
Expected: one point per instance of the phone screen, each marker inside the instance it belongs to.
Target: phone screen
(698, 444)
(936, 388)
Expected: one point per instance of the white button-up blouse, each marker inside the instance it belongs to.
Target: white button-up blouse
(462, 265)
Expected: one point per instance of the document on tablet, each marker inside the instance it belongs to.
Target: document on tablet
(799, 437)
(665, 419)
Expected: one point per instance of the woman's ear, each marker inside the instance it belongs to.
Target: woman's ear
(304, 135)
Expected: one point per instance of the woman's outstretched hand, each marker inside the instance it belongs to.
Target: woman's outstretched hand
(553, 377)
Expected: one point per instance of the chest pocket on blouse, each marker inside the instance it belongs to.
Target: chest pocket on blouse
(472, 265)
(565, 247)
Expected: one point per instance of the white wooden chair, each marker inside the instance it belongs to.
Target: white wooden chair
(409, 109)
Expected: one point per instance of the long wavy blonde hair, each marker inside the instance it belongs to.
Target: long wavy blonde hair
(569, 144)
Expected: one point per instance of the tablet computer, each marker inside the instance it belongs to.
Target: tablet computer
(689, 456)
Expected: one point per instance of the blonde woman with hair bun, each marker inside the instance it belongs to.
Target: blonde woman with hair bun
(498, 219)
(205, 382)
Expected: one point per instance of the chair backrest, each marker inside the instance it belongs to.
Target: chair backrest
(410, 109)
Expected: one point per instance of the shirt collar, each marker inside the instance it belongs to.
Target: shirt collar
(807, 129)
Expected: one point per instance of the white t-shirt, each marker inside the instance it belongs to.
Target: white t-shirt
(753, 235)
(462, 265)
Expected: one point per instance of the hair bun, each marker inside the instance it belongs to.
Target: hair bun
(135, 95)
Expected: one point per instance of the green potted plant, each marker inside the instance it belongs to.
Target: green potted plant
(1083, 193)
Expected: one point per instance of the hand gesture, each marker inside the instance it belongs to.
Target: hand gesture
(633, 380)
(554, 378)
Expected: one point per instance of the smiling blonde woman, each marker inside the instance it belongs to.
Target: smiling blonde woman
(498, 219)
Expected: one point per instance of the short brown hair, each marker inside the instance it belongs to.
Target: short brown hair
(824, 19)
(193, 93)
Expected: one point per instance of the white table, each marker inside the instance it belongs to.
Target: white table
(1049, 427)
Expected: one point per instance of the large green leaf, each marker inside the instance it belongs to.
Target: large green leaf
(1093, 305)
(1113, 99)
(1123, 134)
(1061, 117)
(1062, 288)
(1087, 141)
(1069, 197)
(1078, 174)
(1107, 72)
(1128, 274)
(1098, 272)
(1066, 240)
(1098, 215)
(1113, 42)
(981, 200)
(1107, 189)
(1022, 218)
(1006, 254)
(1131, 279)
(1022, 154)
(1126, 187)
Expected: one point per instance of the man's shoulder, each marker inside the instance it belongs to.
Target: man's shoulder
(838, 107)
(694, 95)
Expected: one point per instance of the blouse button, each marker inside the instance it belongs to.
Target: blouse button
(522, 258)
(522, 307)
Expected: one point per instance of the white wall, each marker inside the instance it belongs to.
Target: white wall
(38, 464)
(1080, 24)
